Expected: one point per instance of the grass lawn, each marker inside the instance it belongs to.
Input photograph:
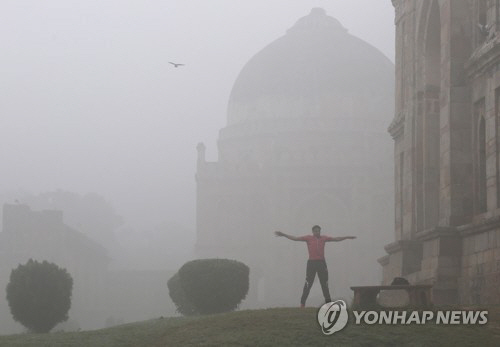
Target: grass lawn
(270, 327)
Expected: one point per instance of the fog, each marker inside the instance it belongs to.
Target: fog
(89, 103)
(92, 110)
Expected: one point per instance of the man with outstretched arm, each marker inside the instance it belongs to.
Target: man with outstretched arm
(316, 262)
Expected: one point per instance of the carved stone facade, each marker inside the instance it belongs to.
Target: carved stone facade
(447, 149)
(305, 144)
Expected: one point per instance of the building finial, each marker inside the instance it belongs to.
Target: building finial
(318, 11)
(201, 152)
(317, 20)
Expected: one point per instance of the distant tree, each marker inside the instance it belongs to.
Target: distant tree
(213, 285)
(39, 295)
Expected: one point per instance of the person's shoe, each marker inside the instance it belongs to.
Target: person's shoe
(302, 306)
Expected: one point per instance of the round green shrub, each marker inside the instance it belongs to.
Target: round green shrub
(39, 295)
(214, 285)
(184, 306)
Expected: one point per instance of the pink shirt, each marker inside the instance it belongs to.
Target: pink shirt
(316, 246)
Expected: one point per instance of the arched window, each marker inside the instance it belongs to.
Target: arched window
(480, 179)
(482, 19)
(497, 14)
(401, 192)
(497, 139)
(482, 13)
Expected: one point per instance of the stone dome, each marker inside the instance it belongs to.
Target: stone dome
(316, 70)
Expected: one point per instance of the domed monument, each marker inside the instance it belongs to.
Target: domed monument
(305, 143)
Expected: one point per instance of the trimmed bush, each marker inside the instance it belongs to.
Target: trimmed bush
(214, 285)
(39, 295)
(184, 306)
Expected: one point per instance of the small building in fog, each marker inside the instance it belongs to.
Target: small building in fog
(42, 235)
(305, 143)
(101, 296)
(447, 149)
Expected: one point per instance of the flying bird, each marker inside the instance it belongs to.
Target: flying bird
(175, 64)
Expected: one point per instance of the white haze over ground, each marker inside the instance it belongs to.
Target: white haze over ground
(89, 102)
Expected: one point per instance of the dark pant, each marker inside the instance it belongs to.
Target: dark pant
(313, 267)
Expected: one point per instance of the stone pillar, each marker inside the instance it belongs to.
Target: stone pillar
(404, 258)
(441, 258)
(456, 160)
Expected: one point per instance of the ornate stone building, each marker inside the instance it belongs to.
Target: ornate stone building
(447, 149)
(305, 143)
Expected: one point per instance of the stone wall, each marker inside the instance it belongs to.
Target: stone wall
(447, 104)
(480, 272)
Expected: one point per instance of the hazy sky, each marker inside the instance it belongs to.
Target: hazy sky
(89, 103)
